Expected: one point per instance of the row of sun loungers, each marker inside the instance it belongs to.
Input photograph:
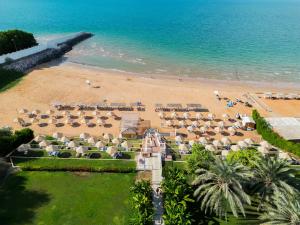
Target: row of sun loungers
(290, 96)
(101, 106)
(179, 108)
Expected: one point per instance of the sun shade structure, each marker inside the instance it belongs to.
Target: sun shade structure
(111, 150)
(226, 141)
(81, 150)
(51, 148)
(203, 141)
(23, 111)
(57, 135)
(115, 141)
(183, 147)
(92, 140)
(265, 145)
(249, 141)
(23, 147)
(72, 144)
(84, 136)
(191, 142)
(43, 144)
(126, 145)
(242, 144)
(99, 144)
(217, 144)
(199, 116)
(39, 138)
(107, 137)
(235, 148)
(64, 139)
(178, 138)
(210, 148)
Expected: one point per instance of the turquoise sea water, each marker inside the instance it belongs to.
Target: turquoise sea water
(226, 39)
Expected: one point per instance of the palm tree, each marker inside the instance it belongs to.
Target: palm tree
(220, 189)
(285, 210)
(270, 175)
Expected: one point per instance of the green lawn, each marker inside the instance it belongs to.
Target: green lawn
(56, 164)
(65, 198)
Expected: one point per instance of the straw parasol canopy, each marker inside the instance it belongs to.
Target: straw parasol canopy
(115, 141)
(191, 142)
(211, 116)
(263, 150)
(182, 123)
(52, 121)
(203, 141)
(161, 115)
(107, 137)
(217, 144)
(81, 150)
(169, 123)
(99, 144)
(225, 116)
(221, 124)
(84, 136)
(51, 148)
(203, 130)
(110, 114)
(16, 120)
(39, 138)
(178, 138)
(224, 153)
(23, 111)
(217, 93)
(265, 144)
(100, 121)
(235, 148)
(183, 147)
(226, 141)
(174, 115)
(92, 140)
(50, 112)
(80, 113)
(72, 144)
(284, 155)
(208, 123)
(96, 113)
(249, 141)
(23, 148)
(195, 123)
(186, 115)
(217, 129)
(84, 121)
(36, 112)
(68, 121)
(231, 131)
(43, 144)
(64, 139)
(57, 135)
(126, 145)
(242, 144)
(34, 120)
(190, 129)
(210, 148)
(111, 150)
(199, 116)
(237, 124)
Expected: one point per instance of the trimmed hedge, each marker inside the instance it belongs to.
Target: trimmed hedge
(9, 141)
(267, 133)
(9, 78)
(84, 165)
(15, 40)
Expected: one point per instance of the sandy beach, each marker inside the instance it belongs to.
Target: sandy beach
(67, 83)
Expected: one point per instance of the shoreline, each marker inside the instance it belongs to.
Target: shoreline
(254, 84)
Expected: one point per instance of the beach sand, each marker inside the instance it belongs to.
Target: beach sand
(66, 83)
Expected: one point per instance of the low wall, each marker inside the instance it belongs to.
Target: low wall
(45, 55)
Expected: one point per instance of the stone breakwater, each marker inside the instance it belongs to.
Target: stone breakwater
(51, 53)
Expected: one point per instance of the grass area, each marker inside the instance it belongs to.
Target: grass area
(179, 165)
(67, 198)
(55, 164)
(9, 78)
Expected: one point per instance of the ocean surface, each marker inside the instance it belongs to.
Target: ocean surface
(223, 39)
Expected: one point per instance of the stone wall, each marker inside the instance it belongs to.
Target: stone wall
(47, 55)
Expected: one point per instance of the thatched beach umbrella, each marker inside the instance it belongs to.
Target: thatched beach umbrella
(51, 148)
(186, 115)
(80, 113)
(111, 150)
(84, 136)
(126, 145)
(161, 115)
(174, 115)
(195, 123)
(217, 129)
(99, 145)
(182, 123)
(265, 144)
(199, 116)
(96, 113)
(34, 120)
(217, 144)
(23, 111)
(50, 112)
(190, 129)
(52, 121)
(235, 148)
(100, 122)
(72, 144)
(182, 147)
(249, 141)
(109, 114)
(36, 112)
(39, 138)
(224, 153)
(238, 124)
(191, 142)
(207, 124)
(226, 141)
(23, 148)
(225, 116)
(210, 148)
(203, 130)
(84, 121)
(242, 144)
(107, 137)
(92, 140)
(81, 150)
(64, 139)
(169, 123)
(57, 135)
(231, 131)
(211, 116)
(115, 141)
(263, 150)
(203, 141)
(43, 144)
(221, 124)
(69, 121)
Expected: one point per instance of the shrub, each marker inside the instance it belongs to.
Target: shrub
(9, 78)
(142, 203)
(246, 157)
(15, 40)
(200, 158)
(9, 141)
(267, 133)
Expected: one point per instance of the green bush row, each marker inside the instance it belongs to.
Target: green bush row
(15, 40)
(84, 165)
(267, 133)
(9, 141)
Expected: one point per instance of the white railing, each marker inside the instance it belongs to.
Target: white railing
(39, 48)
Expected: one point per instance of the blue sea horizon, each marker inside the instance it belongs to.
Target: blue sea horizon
(220, 39)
